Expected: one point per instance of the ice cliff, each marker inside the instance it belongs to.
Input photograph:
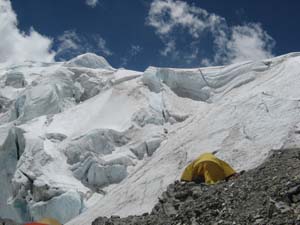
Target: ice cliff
(81, 139)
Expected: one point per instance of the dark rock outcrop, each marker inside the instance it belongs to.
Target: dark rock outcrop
(268, 194)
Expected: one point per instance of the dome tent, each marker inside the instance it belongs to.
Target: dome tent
(207, 168)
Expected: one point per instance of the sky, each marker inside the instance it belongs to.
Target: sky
(136, 34)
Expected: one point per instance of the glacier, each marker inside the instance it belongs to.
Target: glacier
(81, 139)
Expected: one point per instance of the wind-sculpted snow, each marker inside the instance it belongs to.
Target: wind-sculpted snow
(89, 60)
(81, 139)
(203, 83)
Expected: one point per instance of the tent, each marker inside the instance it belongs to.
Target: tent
(45, 221)
(207, 168)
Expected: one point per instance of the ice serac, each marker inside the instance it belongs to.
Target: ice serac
(89, 60)
(84, 140)
(15, 79)
(11, 148)
(4, 104)
(202, 84)
(53, 156)
(185, 83)
(242, 112)
(63, 207)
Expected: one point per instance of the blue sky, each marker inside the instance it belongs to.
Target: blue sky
(139, 33)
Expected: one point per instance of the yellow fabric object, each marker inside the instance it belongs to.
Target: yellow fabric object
(49, 221)
(209, 168)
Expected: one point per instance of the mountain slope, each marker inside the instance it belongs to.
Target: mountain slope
(252, 108)
(85, 140)
(268, 194)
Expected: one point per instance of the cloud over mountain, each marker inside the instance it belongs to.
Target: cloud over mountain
(230, 43)
(16, 45)
(91, 3)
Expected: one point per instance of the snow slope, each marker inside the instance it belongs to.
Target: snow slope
(87, 140)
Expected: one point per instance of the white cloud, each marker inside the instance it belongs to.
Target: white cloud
(101, 44)
(71, 43)
(248, 42)
(91, 3)
(170, 48)
(15, 45)
(135, 50)
(68, 41)
(167, 15)
(230, 43)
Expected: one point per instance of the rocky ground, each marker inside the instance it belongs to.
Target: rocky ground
(268, 194)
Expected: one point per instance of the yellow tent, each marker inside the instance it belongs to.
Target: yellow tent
(49, 221)
(207, 168)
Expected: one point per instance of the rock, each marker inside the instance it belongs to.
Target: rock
(293, 193)
(259, 221)
(283, 207)
(296, 198)
(270, 209)
(169, 209)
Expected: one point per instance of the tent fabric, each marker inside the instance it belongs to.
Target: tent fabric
(45, 221)
(34, 223)
(49, 221)
(207, 168)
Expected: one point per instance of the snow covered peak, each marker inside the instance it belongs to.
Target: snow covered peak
(89, 60)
